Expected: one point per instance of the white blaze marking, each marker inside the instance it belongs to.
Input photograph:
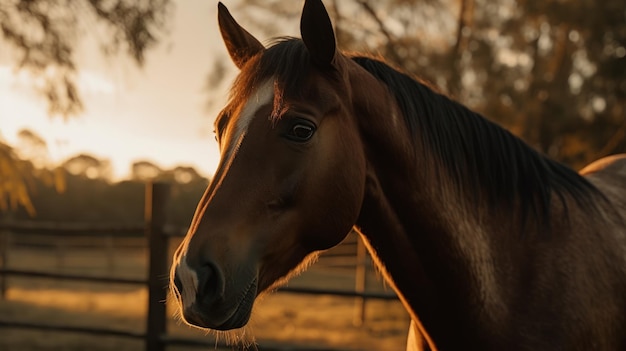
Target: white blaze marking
(189, 281)
(261, 97)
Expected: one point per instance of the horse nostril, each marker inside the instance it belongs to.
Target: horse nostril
(210, 283)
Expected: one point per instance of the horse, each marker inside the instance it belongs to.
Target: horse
(489, 244)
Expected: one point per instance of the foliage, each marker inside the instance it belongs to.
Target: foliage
(14, 180)
(91, 196)
(19, 169)
(45, 34)
(89, 166)
(565, 89)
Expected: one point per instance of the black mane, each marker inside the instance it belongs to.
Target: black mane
(477, 153)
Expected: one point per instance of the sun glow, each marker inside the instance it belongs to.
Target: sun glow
(156, 113)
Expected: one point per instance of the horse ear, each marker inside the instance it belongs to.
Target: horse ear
(240, 44)
(317, 33)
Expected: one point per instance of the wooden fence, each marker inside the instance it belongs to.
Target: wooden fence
(158, 235)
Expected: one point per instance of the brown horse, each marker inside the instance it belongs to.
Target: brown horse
(489, 244)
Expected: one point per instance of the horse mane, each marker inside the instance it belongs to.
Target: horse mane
(477, 153)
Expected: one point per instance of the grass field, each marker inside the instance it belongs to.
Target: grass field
(279, 318)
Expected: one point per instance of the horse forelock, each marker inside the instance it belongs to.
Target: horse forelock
(287, 61)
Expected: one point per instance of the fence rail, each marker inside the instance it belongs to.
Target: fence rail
(158, 235)
(69, 229)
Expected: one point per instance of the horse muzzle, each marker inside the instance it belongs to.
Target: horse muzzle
(206, 302)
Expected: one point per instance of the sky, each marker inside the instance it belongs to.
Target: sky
(156, 113)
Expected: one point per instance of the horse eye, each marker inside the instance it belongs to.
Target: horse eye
(301, 132)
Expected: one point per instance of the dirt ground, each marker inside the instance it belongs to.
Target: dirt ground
(284, 318)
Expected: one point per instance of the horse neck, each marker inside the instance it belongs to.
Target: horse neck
(429, 239)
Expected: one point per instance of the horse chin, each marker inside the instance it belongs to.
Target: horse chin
(224, 318)
(241, 315)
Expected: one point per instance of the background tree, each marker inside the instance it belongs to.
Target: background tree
(45, 33)
(15, 179)
(90, 196)
(32, 147)
(21, 166)
(144, 171)
(553, 71)
(88, 165)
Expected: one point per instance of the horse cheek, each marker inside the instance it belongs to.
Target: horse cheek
(336, 189)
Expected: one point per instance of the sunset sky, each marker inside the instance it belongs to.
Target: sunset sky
(157, 113)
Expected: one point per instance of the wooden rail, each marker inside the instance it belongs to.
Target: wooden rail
(156, 196)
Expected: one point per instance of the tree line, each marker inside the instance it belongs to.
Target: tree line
(80, 189)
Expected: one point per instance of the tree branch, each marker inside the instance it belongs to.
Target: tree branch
(390, 44)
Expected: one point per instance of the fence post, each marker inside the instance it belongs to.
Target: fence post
(157, 195)
(4, 260)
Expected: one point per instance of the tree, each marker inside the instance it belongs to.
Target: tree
(32, 147)
(15, 178)
(145, 171)
(185, 175)
(553, 72)
(21, 167)
(44, 33)
(89, 166)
